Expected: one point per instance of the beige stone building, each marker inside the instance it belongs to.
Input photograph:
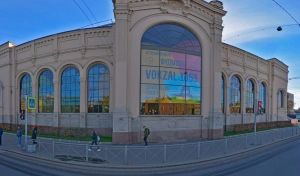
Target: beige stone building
(161, 64)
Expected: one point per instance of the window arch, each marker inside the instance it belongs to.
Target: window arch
(46, 92)
(222, 94)
(70, 90)
(170, 71)
(250, 97)
(262, 97)
(235, 95)
(98, 89)
(280, 99)
(25, 89)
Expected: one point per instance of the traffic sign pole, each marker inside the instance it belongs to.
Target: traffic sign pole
(26, 123)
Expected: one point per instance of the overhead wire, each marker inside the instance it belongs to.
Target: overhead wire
(89, 10)
(257, 31)
(286, 12)
(82, 11)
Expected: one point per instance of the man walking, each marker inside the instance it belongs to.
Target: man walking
(146, 134)
(34, 133)
(19, 135)
(1, 133)
(94, 141)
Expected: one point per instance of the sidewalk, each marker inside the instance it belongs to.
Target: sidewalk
(139, 156)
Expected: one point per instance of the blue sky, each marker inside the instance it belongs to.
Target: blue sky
(25, 20)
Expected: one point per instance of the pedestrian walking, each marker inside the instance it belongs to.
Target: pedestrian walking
(1, 133)
(34, 134)
(146, 134)
(19, 135)
(94, 141)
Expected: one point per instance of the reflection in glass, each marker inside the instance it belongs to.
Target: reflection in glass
(98, 89)
(170, 71)
(25, 89)
(280, 99)
(222, 94)
(250, 97)
(262, 97)
(46, 92)
(235, 95)
(70, 91)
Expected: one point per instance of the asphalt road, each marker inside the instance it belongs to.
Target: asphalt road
(282, 158)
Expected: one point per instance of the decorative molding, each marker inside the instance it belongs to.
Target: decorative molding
(68, 37)
(164, 6)
(174, 5)
(102, 33)
(23, 48)
(82, 51)
(186, 7)
(43, 42)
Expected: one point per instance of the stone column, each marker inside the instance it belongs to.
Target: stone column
(121, 120)
(55, 121)
(216, 117)
(83, 101)
(35, 95)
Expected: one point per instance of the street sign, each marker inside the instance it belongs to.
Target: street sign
(31, 103)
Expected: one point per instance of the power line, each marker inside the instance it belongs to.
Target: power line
(257, 31)
(82, 11)
(94, 23)
(287, 12)
(89, 10)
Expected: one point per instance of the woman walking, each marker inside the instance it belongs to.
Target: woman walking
(19, 135)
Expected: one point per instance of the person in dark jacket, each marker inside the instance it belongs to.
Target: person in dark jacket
(94, 141)
(19, 135)
(146, 134)
(34, 133)
(1, 133)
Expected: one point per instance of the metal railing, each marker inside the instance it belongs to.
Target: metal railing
(165, 153)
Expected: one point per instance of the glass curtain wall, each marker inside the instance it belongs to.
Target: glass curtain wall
(170, 71)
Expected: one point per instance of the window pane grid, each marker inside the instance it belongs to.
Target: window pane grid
(262, 97)
(46, 92)
(98, 89)
(250, 97)
(70, 91)
(235, 95)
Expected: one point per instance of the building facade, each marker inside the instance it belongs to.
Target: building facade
(161, 64)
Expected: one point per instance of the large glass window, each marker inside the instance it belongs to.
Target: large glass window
(170, 71)
(235, 95)
(98, 89)
(222, 94)
(250, 97)
(25, 89)
(70, 90)
(262, 97)
(280, 99)
(46, 92)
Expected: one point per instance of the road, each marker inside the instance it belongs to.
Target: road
(281, 158)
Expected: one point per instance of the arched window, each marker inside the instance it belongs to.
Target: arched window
(25, 89)
(262, 97)
(280, 99)
(250, 97)
(222, 94)
(170, 71)
(235, 95)
(98, 89)
(46, 92)
(70, 90)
